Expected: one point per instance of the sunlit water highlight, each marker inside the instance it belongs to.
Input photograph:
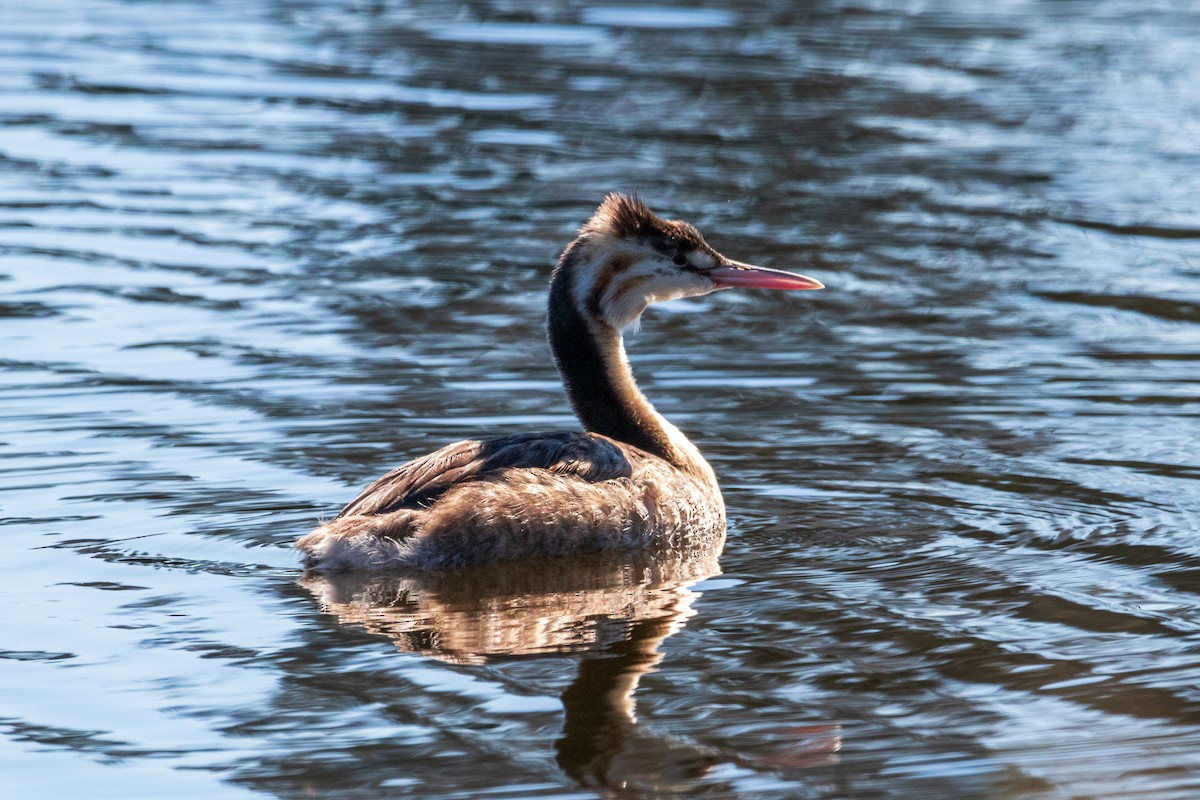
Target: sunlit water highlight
(253, 254)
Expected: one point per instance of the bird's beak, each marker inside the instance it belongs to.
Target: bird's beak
(733, 273)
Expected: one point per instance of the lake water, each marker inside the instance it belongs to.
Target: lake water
(253, 254)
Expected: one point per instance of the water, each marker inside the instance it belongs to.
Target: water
(254, 254)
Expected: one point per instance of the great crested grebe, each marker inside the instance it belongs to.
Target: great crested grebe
(630, 480)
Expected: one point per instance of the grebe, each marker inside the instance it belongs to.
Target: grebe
(630, 480)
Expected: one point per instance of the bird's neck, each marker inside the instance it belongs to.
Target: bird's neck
(591, 359)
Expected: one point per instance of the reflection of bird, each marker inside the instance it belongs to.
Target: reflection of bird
(497, 612)
(631, 480)
(614, 610)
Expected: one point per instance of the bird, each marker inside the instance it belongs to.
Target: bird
(629, 480)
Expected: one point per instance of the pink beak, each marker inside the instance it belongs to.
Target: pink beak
(733, 273)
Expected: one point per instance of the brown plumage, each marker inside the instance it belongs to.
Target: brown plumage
(631, 480)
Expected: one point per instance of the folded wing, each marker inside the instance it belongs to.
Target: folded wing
(420, 482)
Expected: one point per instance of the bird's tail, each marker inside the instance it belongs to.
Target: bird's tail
(359, 541)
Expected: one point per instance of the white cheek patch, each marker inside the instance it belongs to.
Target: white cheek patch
(625, 314)
(648, 281)
(599, 255)
(585, 277)
(649, 278)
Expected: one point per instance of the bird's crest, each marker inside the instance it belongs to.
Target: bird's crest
(627, 217)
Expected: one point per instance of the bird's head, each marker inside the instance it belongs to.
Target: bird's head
(626, 258)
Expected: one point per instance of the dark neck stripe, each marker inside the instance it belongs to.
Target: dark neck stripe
(602, 390)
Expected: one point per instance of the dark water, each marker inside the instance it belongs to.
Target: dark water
(252, 254)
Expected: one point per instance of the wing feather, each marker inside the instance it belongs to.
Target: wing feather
(418, 483)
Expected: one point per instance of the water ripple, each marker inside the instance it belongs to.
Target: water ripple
(253, 254)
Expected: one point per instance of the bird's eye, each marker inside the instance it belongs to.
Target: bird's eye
(680, 260)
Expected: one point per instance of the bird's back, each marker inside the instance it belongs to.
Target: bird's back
(515, 497)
